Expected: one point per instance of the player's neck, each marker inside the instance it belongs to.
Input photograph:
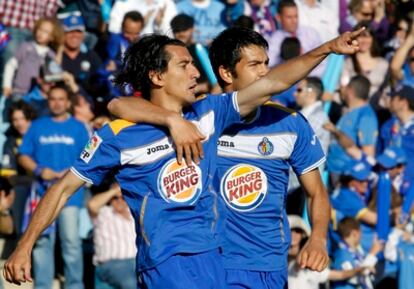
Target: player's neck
(351, 242)
(167, 102)
(405, 116)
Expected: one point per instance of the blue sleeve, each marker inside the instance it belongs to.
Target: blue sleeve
(226, 110)
(112, 48)
(341, 257)
(368, 130)
(307, 153)
(100, 156)
(29, 142)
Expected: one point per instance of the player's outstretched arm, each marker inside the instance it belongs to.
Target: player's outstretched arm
(314, 254)
(140, 110)
(17, 267)
(286, 74)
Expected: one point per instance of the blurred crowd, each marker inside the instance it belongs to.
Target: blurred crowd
(58, 59)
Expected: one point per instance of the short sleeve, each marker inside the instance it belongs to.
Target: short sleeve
(307, 153)
(29, 142)
(226, 110)
(100, 156)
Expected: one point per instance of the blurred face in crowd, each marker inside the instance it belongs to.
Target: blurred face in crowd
(252, 66)
(119, 205)
(73, 39)
(131, 30)
(185, 36)
(396, 171)
(410, 60)
(361, 187)
(365, 11)
(365, 40)
(296, 236)
(288, 19)
(58, 102)
(397, 104)
(44, 34)
(402, 30)
(257, 2)
(304, 95)
(20, 122)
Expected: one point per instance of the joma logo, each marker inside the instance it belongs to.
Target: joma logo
(227, 144)
(152, 150)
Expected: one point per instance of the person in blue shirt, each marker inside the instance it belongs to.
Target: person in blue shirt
(359, 124)
(351, 255)
(48, 149)
(173, 204)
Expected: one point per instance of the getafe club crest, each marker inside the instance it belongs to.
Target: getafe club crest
(180, 183)
(244, 187)
(265, 147)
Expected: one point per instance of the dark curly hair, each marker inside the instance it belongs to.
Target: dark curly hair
(146, 55)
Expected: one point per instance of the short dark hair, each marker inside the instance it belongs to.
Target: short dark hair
(135, 16)
(63, 86)
(5, 185)
(285, 4)
(181, 22)
(146, 55)
(316, 84)
(290, 48)
(20, 105)
(361, 85)
(226, 48)
(346, 226)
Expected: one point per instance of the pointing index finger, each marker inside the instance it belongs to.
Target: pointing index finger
(356, 33)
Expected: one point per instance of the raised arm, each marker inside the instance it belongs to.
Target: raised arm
(400, 56)
(314, 254)
(286, 74)
(136, 109)
(17, 267)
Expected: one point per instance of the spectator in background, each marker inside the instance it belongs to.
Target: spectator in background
(319, 16)
(7, 196)
(372, 11)
(359, 123)
(299, 278)
(49, 148)
(157, 14)
(208, 18)
(82, 65)
(182, 27)
(132, 25)
(402, 64)
(369, 63)
(22, 69)
(400, 32)
(351, 255)
(114, 240)
(19, 17)
(399, 130)
(287, 17)
(349, 199)
(21, 117)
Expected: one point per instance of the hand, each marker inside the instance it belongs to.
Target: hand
(7, 91)
(346, 43)
(380, 11)
(17, 267)
(70, 81)
(111, 66)
(160, 15)
(49, 175)
(314, 255)
(187, 139)
(6, 201)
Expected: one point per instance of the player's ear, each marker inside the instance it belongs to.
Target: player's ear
(156, 78)
(225, 74)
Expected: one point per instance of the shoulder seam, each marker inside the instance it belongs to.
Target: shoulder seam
(280, 107)
(119, 124)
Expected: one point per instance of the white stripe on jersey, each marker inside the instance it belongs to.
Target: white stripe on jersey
(246, 146)
(160, 148)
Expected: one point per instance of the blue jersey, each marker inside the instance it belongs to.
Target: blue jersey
(253, 165)
(55, 145)
(361, 125)
(394, 133)
(174, 206)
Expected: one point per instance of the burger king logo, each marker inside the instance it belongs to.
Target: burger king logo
(180, 183)
(244, 187)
